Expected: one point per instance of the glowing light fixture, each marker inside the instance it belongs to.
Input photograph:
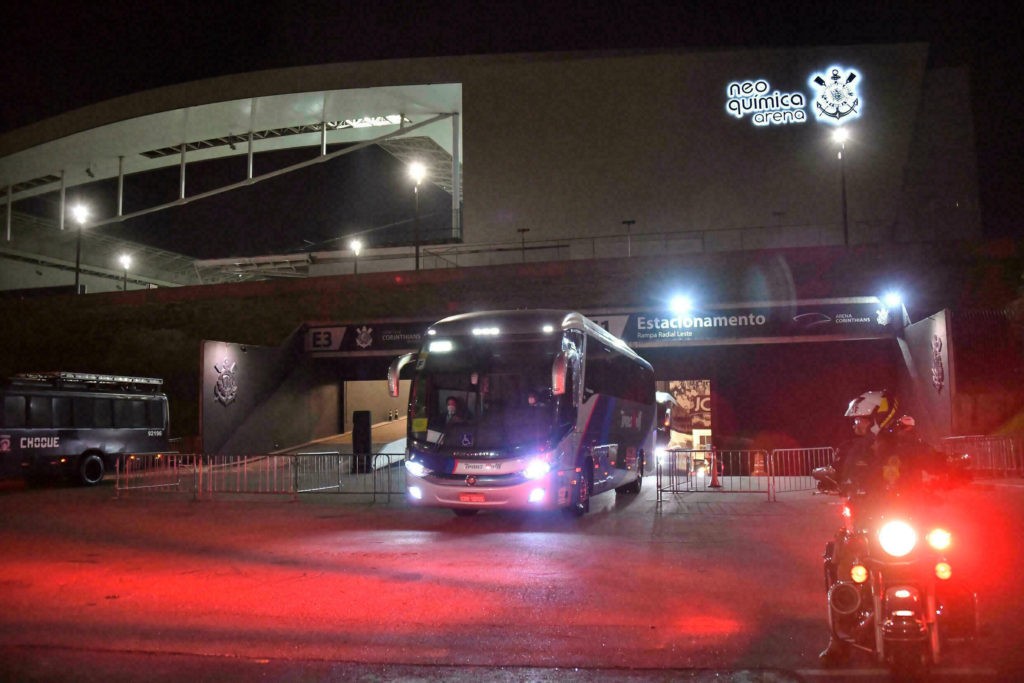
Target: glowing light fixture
(892, 299)
(680, 304)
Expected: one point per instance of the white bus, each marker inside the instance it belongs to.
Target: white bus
(75, 424)
(549, 409)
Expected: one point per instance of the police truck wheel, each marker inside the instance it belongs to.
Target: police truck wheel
(90, 469)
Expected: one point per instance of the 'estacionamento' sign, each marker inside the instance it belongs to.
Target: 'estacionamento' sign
(857, 319)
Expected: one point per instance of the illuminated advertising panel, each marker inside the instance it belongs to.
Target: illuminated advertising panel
(831, 98)
(834, 319)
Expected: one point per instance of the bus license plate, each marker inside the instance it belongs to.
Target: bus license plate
(471, 497)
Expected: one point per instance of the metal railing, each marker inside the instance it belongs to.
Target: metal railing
(996, 456)
(789, 469)
(740, 471)
(206, 476)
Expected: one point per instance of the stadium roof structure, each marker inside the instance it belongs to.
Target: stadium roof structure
(331, 110)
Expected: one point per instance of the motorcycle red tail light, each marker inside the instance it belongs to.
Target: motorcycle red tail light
(943, 570)
(940, 539)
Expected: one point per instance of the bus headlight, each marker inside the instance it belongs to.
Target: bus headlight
(536, 468)
(416, 469)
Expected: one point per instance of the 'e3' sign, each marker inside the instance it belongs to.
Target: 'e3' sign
(321, 339)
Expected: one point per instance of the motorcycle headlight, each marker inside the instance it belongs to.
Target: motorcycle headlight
(897, 538)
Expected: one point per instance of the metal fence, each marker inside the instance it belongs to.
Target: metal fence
(207, 476)
(740, 471)
(761, 471)
(790, 469)
(996, 456)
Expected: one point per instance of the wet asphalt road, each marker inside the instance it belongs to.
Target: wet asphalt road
(706, 586)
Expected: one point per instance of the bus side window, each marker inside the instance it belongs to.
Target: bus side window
(40, 411)
(14, 411)
(103, 413)
(62, 411)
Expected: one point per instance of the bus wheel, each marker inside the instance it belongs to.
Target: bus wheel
(634, 486)
(581, 493)
(90, 469)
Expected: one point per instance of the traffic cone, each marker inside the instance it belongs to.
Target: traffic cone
(714, 472)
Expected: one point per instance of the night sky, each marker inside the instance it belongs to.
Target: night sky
(58, 59)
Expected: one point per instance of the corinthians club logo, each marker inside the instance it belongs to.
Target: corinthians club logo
(364, 337)
(938, 372)
(837, 97)
(226, 388)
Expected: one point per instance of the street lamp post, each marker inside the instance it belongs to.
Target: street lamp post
(417, 171)
(629, 238)
(522, 237)
(80, 213)
(840, 136)
(356, 246)
(126, 263)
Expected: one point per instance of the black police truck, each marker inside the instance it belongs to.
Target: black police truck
(76, 424)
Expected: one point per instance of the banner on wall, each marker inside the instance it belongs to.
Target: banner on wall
(691, 410)
(379, 337)
(853, 319)
(860, 318)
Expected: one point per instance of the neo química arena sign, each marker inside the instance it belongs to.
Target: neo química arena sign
(831, 98)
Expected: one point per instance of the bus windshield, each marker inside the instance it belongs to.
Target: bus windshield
(492, 395)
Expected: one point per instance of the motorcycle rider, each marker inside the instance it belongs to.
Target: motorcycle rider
(888, 457)
(830, 477)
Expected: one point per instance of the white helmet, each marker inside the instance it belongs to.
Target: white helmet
(879, 406)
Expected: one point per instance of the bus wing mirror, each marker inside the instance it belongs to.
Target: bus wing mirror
(559, 371)
(396, 369)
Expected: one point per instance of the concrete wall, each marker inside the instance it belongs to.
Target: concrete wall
(160, 332)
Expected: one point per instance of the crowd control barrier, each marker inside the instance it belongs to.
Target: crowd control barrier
(993, 456)
(758, 471)
(207, 476)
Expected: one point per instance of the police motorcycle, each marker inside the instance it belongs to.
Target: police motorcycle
(893, 591)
